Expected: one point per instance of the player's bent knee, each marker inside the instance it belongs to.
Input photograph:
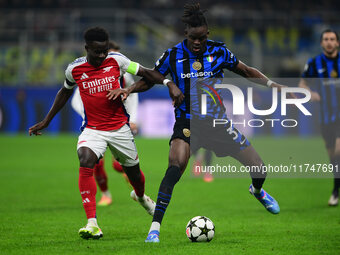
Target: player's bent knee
(133, 172)
(86, 163)
(253, 157)
(131, 169)
(176, 163)
(87, 158)
(180, 162)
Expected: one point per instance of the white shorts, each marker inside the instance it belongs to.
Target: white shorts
(120, 142)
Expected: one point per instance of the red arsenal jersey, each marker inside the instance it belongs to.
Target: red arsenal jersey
(94, 82)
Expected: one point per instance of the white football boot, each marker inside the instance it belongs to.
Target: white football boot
(145, 201)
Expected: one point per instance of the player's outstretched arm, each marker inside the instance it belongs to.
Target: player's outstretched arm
(255, 75)
(61, 98)
(154, 76)
(139, 86)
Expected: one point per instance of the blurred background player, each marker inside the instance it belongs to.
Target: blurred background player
(131, 104)
(106, 120)
(202, 158)
(326, 67)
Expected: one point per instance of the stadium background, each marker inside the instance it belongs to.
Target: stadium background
(39, 38)
(40, 207)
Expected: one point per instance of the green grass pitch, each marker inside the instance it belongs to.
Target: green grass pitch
(41, 210)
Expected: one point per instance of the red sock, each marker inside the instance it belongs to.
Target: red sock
(88, 190)
(100, 175)
(117, 166)
(139, 186)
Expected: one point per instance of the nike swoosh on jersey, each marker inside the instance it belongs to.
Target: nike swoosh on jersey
(181, 60)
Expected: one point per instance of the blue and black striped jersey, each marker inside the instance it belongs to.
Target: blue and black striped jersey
(327, 69)
(188, 69)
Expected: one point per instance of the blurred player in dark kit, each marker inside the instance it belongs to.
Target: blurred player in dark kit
(326, 68)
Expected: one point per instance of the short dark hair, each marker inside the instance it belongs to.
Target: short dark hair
(193, 16)
(96, 34)
(329, 30)
(114, 46)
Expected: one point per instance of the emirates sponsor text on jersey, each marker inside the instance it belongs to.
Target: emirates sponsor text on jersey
(99, 85)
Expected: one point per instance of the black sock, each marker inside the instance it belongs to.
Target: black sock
(172, 176)
(258, 178)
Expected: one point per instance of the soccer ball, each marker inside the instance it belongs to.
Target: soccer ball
(200, 229)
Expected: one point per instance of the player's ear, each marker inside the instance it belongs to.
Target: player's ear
(208, 32)
(86, 47)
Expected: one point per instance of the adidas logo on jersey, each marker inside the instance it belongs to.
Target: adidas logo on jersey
(107, 69)
(84, 76)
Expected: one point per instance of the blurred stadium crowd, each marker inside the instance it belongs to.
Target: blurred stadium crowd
(39, 38)
(265, 5)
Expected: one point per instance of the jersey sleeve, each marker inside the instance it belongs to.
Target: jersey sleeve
(69, 82)
(230, 60)
(308, 70)
(162, 65)
(125, 64)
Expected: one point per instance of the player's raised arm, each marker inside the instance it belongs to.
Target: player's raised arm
(61, 98)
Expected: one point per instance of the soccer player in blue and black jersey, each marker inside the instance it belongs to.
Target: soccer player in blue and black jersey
(198, 57)
(326, 68)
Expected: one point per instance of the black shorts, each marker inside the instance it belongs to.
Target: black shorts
(330, 132)
(181, 130)
(224, 140)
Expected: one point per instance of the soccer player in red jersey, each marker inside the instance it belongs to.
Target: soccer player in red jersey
(131, 104)
(106, 122)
